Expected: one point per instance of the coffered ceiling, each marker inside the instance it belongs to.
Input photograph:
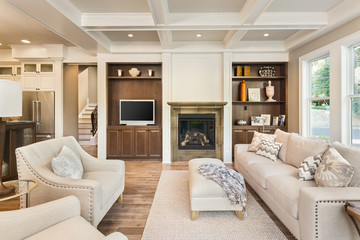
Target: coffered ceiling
(177, 25)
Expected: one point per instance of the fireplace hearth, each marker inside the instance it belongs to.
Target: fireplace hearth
(196, 131)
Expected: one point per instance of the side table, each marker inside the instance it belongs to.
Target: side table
(27, 184)
(353, 209)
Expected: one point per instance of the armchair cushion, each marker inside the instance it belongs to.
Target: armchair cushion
(67, 164)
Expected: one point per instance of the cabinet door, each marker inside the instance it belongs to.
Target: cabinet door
(30, 82)
(250, 135)
(46, 68)
(141, 142)
(155, 143)
(46, 82)
(239, 136)
(6, 72)
(127, 142)
(113, 143)
(30, 68)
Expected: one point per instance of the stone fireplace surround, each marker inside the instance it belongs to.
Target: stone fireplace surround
(216, 108)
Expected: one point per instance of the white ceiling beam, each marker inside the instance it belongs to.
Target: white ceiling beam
(104, 20)
(165, 39)
(233, 37)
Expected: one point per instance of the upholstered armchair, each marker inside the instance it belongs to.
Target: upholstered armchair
(59, 219)
(101, 185)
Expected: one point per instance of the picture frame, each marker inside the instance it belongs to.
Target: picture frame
(282, 120)
(254, 94)
(267, 119)
(257, 121)
(275, 121)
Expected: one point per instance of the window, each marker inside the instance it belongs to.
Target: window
(355, 95)
(319, 98)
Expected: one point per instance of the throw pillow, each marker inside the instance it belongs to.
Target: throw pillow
(67, 164)
(269, 149)
(257, 138)
(299, 148)
(283, 138)
(351, 154)
(308, 167)
(334, 170)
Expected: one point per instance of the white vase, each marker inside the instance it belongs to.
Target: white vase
(270, 91)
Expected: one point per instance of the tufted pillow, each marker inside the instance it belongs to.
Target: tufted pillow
(67, 164)
(334, 170)
(269, 149)
(258, 137)
(308, 167)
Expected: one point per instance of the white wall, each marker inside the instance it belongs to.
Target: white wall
(92, 86)
(83, 82)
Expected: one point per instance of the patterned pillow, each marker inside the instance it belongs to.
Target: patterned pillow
(308, 167)
(67, 164)
(334, 170)
(258, 137)
(269, 149)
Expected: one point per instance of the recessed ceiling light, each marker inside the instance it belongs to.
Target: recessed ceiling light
(266, 34)
(130, 35)
(199, 35)
(25, 41)
(0, 44)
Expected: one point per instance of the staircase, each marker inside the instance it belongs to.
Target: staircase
(84, 126)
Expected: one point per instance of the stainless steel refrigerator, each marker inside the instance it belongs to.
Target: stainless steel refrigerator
(40, 107)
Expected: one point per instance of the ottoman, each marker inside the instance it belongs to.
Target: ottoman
(207, 195)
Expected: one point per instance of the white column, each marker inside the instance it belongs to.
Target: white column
(166, 110)
(227, 97)
(59, 109)
(102, 103)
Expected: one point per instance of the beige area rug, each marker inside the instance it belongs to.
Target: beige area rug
(170, 216)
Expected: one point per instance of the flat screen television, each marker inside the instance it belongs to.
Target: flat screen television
(137, 112)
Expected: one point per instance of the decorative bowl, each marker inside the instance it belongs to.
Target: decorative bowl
(134, 72)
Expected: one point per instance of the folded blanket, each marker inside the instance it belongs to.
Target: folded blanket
(231, 181)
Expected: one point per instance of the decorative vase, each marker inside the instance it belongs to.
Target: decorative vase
(270, 92)
(243, 91)
(134, 72)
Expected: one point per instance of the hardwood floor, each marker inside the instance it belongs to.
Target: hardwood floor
(141, 179)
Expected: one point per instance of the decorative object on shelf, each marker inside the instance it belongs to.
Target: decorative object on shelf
(134, 72)
(257, 121)
(120, 72)
(254, 94)
(150, 72)
(270, 91)
(282, 120)
(275, 121)
(10, 106)
(238, 71)
(247, 71)
(267, 118)
(267, 71)
(241, 122)
(243, 91)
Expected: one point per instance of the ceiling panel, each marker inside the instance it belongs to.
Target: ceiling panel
(206, 35)
(142, 36)
(302, 6)
(15, 26)
(112, 6)
(275, 35)
(205, 6)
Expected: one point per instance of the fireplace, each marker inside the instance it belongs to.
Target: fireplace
(196, 131)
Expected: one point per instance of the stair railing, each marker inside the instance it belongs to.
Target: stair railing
(94, 118)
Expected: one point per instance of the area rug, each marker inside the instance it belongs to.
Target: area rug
(170, 216)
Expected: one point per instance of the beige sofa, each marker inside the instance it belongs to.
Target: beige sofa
(55, 220)
(101, 185)
(308, 211)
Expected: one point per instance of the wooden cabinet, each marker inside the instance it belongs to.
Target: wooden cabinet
(38, 76)
(10, 72)
(244, 110)
(127, 142)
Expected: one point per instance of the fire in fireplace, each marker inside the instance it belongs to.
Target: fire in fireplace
(196, 131)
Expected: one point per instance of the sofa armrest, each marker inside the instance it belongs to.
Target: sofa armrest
(20, 224)
(322, 214)
(238, 148)
(116, 236)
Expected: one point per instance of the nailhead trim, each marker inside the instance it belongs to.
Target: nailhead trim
(21, 158)
(317, 213)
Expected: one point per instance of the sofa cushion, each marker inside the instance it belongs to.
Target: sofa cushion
(351, 154)
(283, 138)
(73, 228)
(257, 138)
(308, 167)
(269, 149)
(67, 164)
(262, 170)
(246, 158)
(285, 191)
(300, 148)
(334, 170)
(109, 183)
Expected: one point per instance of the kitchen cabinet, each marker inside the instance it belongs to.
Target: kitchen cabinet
(38, 76)
(10, 72)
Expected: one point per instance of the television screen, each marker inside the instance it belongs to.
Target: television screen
(137, 112)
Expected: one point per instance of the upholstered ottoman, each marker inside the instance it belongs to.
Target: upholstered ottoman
(207, 195)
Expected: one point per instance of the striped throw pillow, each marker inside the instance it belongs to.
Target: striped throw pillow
(269, 149)
(308, 167)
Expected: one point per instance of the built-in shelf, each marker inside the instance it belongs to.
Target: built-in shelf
(255, 102)
(132, 78)
(236, 78)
